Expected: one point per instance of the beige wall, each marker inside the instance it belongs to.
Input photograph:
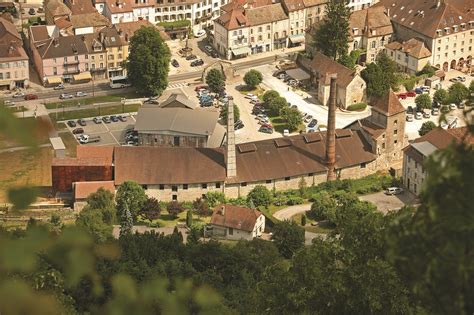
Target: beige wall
(225, 232)
(314, 14)
(354, 92)
(408, 64)
(413, 174)
(297, 22)
(191, 193)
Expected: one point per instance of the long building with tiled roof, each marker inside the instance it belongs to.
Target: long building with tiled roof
(445, 26)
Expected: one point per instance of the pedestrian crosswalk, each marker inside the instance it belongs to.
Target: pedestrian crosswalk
(177, 85)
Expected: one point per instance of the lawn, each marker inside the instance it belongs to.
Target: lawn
(70, 143)
(38, 130)
(279, 124)
(244, 89)
(24, 167)
(89, 100)
(92, 112)
(167, 220)
(320, 228)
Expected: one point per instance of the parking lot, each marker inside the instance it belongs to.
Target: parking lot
(386, 203)
(112, 133)
(198, 48)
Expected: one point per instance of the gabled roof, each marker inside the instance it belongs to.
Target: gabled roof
(62, 46)
(233, 19)
(79, 7)
(106, 151)
(414, 47)
(441, 138)
(112, 37)
(265, 14)
(388, 104)
(94, 19)
(119, 6)
(7, 28)
(57, 8)
(235, 217)
(325, 66)
(177, 98)
(370, 22)
(293, 5)
(425, 17)
(12, 52)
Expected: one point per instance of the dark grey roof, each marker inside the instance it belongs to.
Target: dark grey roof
(180, 98)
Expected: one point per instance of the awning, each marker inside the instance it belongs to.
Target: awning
(83, 76)
(54, 80)
(297, 39)
(241, 51)
(298, 74)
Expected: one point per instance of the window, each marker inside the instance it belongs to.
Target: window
(363, 165)
(174, 188)
(162, 187)
(111, 64)
(76, 58)
(395, 141)
(175, 197)
(204, 186)
(395, 131)
(55, 70)
(268, 181)
(311, 174)
(185, 186)
(416, 165)
(145, 186)
(231, 231)
(260, 29)
(87, 56)
(383, 145)
(176, 141)
(101, 65)
(268, 27)
(243, 185)
(287, 178)
(218, 185)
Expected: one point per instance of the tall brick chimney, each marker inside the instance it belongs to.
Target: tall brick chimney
(231, 165)
(331, 130)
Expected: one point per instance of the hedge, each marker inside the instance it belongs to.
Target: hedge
(358, 106)
(175, 24)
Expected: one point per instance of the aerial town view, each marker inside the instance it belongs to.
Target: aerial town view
(236, 157)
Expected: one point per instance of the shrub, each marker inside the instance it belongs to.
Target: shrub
(295, 200)
(358, 106)
(174, 208)
(268, 96)
(323, 207)
(260, 196)
(201, 206)
(214, 198)
(280, 200)
(189, 218)
(303, 220)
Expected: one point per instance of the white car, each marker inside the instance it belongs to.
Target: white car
(452, 106)
(418, 115)
(81, 94)
(18, 95)
(9, 103)
(393, 191)
(286, 132)
(200, 33)
(65, 96)
(308, 119)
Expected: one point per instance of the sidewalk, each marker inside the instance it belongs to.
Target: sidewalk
(267, 54)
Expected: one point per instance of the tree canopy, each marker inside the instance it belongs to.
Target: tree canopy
(215, 80)
(260, 196)
(441, 97)
(148, 62)
(426, 127)
(332, 35)
(130, 196)
(458, 92)
(423, 101)
(277, 104)
(292, 117)
(253, 78)
(380, 76)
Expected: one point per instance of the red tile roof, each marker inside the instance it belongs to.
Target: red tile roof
(441, 138)
(106, 152)
(325, 66)
(69, 161)
(235, 217)
(82, 190)
(413, 47)
(388, 104)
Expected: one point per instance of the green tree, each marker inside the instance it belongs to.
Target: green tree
(223, 114)
(131, 195)
(323, 207)
(276, 104)
(293, 118)
(151, 209)
(423, 101)
(288, 237)
(350, 60)
(458, 92)
(93, 221)
(427, 70)
(426, 127)
(148, 62)
(101, 199)
(269, 95)
(189, 218)
(193, 236)
(436, 238)
(126, 223)
(215, 80)
(214, 198)
(441, 96)
(201, 206)
(174, 208)
(332, 35)
(303, 220)
(253, 78)
(389, 68)
(377, 86)
(260, 196)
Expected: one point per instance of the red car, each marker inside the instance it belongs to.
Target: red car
(200, 87)
(78, 131)
(31, 97)
(402, 96)
(411, 94)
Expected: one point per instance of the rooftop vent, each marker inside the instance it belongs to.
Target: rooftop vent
(282, 142)
(343, 133)
(247, 147)
(312, 137)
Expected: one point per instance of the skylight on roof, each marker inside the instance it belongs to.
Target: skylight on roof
(112, 39)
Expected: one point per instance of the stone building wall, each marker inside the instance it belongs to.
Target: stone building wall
(413, 174)
(161, 140)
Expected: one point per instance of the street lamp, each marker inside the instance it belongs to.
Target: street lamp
(123, 104)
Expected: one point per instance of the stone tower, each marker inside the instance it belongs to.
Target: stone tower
(231, 165)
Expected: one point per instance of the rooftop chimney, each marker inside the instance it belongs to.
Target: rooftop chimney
(331, 130)
(222, 209)
(55, 42)
(231, 164)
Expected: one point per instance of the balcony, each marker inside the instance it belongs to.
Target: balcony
(71, 71)
(71, 63)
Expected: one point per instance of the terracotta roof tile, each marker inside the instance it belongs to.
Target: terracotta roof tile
(441, 138)
(91, 161)
(372, 19)
(325, 66)
(235, 217)
(105, 151)
(414, 47)
(82, 190)
(265, 14)
(388, 104)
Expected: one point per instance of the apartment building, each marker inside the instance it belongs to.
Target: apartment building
(411, 56)
(117, 51)
(356, 5)
(314, 11)
(415, 154)
(14, 71)
(445, 26)
(370, 30)
(250, 29)
(296, 20)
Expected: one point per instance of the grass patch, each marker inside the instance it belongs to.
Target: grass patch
(279, 124)
(244, 89)
(89, 101)
(357, 107)
(92, 112)
(69, 142)
(167, 220)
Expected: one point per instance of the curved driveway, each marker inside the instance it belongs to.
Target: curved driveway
(287, 213)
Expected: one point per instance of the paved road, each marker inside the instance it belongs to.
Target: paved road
(287, 213)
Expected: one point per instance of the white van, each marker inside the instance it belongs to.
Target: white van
(393, 191)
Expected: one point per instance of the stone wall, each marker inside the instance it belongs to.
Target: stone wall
(161, 140)
(180, 192)
(413, 174)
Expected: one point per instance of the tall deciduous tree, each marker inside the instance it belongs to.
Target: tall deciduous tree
(292, 116)
(423, 101)
(269, 95)
(380, 76)
(126, 223)
(332, 34)
(151, 209)
(215, 80)
(458, 92)
(441, 97)
(148, 62)
(130, 195)
(288, 237)
(277, 104)
(253, 78)
(260, 196)
(426, 127)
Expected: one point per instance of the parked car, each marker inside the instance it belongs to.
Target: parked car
(435, 111)
(71, 123)
(454, 79)
(402, 96)
(82, 122)
(452, 106)
(418, 116)
(97, 120)
(293, 106)
(18, 95)
(238, 125)
(308, 118)
(9, 103)
(251, 96)
(114, 118)
(59, 87)
(208, 49)
(64, 96)
(411, 94)
(191, 57)
(313, 123)
(286, 132)
(393, 191)
(200, 87)
(277, 73)
(81, 94)
(29, 97)
(31, 11)
(200, 33)
(197, 63)
(175, 63)
(426, 114)
(461, 105)
(122, 118)
(409, 117)
(461, 79)
(265, 130)
(106, 119)
(78, 131)
(410, 109)
(266, 125)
